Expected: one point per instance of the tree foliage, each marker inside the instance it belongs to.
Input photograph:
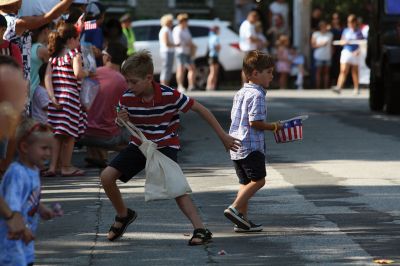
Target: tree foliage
(361, 8)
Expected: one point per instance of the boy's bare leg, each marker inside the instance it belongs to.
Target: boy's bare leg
(243, 210)
(187, 206)
(245, 193)
(108, 179)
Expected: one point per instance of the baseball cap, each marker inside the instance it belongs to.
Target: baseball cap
(94, 10)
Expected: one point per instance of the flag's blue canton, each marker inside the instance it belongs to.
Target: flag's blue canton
(292, 123)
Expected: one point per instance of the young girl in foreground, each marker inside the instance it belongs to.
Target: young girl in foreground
(20, 188)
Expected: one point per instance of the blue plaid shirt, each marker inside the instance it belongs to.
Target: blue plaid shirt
(248, 105)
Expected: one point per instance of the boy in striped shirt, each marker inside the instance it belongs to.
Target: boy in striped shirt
(154, 109)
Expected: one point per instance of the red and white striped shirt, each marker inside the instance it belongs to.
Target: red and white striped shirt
(159, 118)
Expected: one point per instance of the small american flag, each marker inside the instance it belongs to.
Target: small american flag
(90, 25)
(292, 130)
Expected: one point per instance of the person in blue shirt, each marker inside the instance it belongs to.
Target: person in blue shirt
(349, 58)
(20, 188)
(214, 46)
(95, 37)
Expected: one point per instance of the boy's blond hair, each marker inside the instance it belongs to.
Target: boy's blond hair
(256, 60)
(139, 64)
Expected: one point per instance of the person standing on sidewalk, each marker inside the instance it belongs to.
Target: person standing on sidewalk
(154, 109)
(248, 125)
(349, 57)
(185, 51)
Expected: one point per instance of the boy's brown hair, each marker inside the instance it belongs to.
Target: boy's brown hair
(140, 64)
(256, 60)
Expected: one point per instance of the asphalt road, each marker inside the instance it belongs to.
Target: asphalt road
(331, 199)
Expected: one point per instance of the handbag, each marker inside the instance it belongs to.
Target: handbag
(89, 90)
(164, 177)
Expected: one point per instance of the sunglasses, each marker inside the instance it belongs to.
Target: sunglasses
(104, 52)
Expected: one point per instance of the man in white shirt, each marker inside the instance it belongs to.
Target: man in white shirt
(247, 32)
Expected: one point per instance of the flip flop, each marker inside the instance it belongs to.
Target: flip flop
(77, 172)
(48, 174)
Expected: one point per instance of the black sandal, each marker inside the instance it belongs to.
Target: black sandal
(204, 234)
(125, 221)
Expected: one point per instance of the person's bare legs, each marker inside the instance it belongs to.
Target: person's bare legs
(55, 152)
(318, 77)
(245, 193)
(66, 156)
(191, 76)
(354, 75)
(108, 179)
(325, 74)
(283, 80)
(344, 70)
(212, 77)
(180, 70)
(188, 208)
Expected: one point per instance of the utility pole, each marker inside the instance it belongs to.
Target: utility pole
(302, 27)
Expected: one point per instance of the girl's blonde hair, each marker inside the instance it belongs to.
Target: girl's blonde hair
(140, 64)
(29, 130)
(165, 19)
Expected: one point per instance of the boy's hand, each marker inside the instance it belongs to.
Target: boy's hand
(27, 236)
(230, 142)
(16, 226)
(123, 115)
(46, 213)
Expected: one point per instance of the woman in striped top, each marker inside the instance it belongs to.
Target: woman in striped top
(65, 114)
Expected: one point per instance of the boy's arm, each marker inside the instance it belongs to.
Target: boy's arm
(229, 142)
(262, 125)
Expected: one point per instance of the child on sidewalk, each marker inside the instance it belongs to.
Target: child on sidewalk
(248, 125)
(154, 109)
(21, 190)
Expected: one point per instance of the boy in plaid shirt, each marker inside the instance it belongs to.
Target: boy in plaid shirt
(248, 125)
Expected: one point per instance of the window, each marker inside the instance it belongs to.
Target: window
(146, 33)
(193, 4)
(392, 7)
(141, 33)
(199, 31)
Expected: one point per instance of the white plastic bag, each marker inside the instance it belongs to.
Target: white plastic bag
(89, 90)
(164, 177)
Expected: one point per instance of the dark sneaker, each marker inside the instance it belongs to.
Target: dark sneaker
(253, 228)
(237, 218)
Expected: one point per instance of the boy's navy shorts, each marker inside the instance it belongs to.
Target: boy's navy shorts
(130, 161)
(251, 168)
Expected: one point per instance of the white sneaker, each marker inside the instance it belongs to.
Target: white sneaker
(181, 89)
(336, 90)
(253, 228)
(237, 218)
